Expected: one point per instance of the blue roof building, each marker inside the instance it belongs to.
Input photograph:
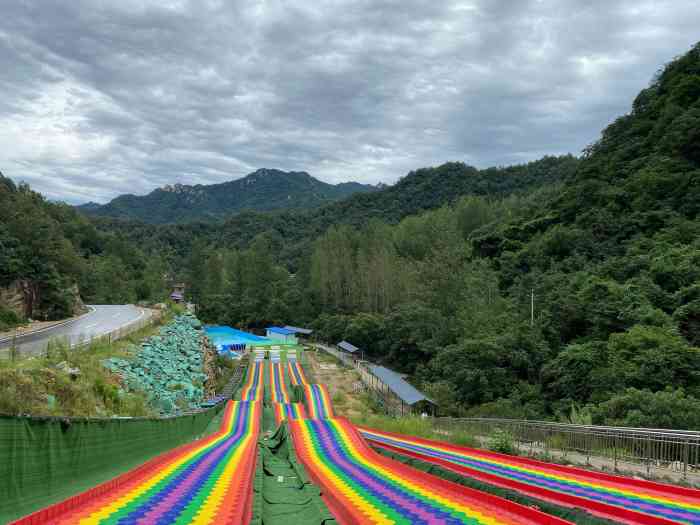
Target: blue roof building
(300, 331)
(281, 335)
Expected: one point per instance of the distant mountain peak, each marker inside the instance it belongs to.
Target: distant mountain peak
(175, 188)
(265, 189)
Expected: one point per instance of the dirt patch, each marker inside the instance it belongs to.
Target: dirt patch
(342, 383)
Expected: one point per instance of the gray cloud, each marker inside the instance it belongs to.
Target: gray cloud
(103, 98)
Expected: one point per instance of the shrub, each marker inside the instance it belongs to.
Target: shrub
(502, 441)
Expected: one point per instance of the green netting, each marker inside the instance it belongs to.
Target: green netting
(43, 461)
(573, 515)
(284, 495)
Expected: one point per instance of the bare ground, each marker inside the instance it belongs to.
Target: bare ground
(340, 381)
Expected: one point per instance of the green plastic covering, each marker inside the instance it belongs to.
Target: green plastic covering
(573, 515)
(284, 495)
(168, 367)
(43, 461)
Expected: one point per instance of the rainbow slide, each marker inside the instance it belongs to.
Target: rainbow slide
(280, 394)
(296, 373)
(318, 401)
(288, 411)
(208, 481)
(361, 487)
(255, 382)
(622, 499)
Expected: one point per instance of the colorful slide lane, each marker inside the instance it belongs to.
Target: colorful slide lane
(287, 411)
(318, 401)
(296, 373)
(255, 382)
(360, 486)
(625, 500)
(207, 482)
(278, 385)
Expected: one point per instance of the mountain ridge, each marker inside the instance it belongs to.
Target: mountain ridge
(262, 190)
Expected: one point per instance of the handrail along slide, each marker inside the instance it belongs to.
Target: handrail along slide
(655, 450)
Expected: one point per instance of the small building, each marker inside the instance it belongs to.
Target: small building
(178, 295)
(300, 332)
(396, 394)
(347, 347)
(281, 335)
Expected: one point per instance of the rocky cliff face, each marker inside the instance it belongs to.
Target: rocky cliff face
(20, 297)
(23, 297)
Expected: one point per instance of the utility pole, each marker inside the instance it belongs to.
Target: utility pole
(532, 307)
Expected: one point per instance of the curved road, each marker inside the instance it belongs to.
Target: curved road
(101, 320)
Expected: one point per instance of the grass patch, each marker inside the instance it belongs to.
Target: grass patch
(73, 382)
(339, 398)
(415, 426)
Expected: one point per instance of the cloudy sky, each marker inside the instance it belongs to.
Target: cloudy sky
(99, 98)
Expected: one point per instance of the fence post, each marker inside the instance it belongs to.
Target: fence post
(648, 458)
(686, 452)
(615, 451)
(589, 447)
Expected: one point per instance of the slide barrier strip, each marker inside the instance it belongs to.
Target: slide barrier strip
(625, 499)
(361, 487)
(318, 401)
(206, 482)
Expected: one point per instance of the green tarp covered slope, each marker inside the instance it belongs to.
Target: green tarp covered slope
(169, 366)
(43, 461)
(284, 495)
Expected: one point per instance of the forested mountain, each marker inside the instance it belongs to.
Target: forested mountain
(262, 190)
(51, 256)
(610, 259)
(292, 232)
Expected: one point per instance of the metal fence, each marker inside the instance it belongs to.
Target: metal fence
(651, 451)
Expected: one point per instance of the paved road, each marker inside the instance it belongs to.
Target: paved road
(101, 320)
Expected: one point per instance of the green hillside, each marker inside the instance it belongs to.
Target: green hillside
(52, 258)
(262, 190)
(292, 232)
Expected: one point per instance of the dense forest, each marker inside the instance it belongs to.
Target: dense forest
(52, 259)
(293, 232)
(609, 258)
(564, 288)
